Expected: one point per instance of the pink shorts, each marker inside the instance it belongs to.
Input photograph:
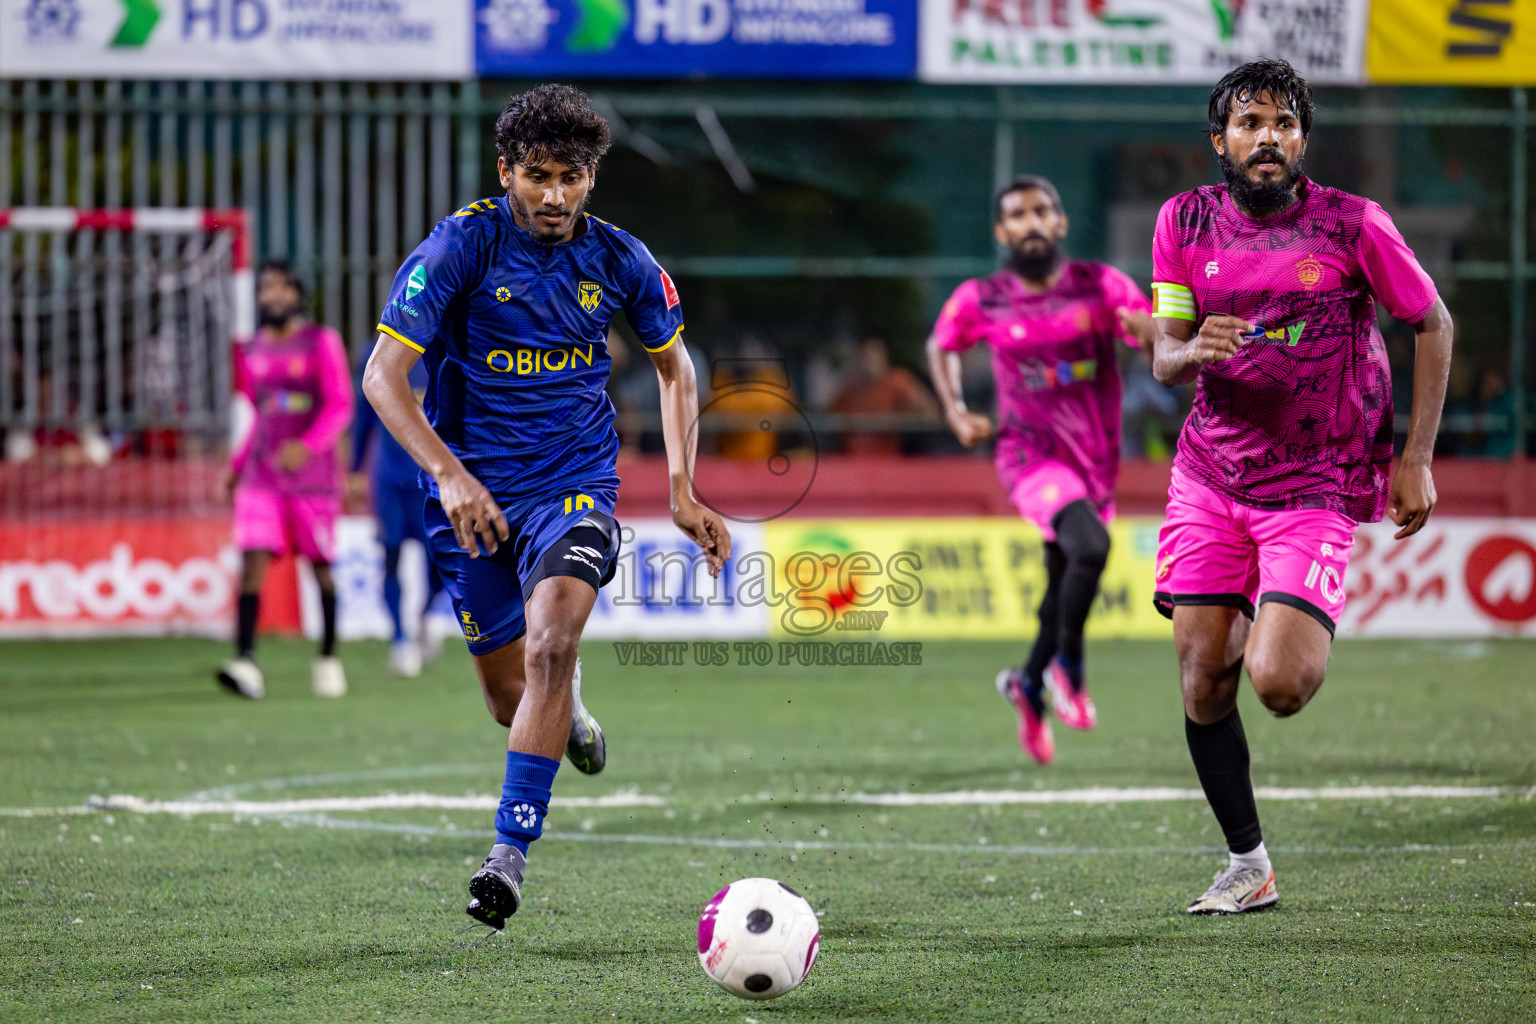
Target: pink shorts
(1214, 551)
(303, 523)
(1045, 488)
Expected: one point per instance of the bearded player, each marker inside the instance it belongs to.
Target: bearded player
(284, 473)
(509, 301)
(1053, 326)
(1265, 294)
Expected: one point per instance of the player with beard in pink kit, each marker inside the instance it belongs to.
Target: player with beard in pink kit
(1054, 327)
(1265, 293)
(284, 473)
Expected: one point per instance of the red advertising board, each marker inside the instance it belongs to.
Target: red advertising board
(126, 577)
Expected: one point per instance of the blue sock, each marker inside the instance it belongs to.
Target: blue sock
(392, 591)
(524, 799)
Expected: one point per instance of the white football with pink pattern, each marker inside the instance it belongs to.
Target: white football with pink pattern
(758, 938)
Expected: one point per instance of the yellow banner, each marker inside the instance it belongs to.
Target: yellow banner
(879, 579)
(1458, 42)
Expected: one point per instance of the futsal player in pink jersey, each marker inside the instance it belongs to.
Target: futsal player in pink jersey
(1054, 327)
(284, 473)
(1265, 294)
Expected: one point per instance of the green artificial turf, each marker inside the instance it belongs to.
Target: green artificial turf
(1391, 909)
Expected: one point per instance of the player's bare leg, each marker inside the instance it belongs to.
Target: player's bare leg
(240, 674)
(503, 678)
(1287, 656)
(1211, 640)
(556, 613)
(326, 676)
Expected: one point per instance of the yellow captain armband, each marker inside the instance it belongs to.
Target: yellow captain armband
(1172, 300)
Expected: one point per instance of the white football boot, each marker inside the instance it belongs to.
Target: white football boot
(1236, 890)
(327, 678)
(243, 677)
(405, 659)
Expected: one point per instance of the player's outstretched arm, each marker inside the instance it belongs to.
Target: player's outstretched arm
(1413, 488)
(970, 428)
(679, 412)
(1179, 352)
(466, 502)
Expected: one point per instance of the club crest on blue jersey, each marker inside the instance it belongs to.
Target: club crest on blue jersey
(591, 295)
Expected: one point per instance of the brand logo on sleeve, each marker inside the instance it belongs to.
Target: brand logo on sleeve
(591, 295)
(670, 289)
(1211, 269)
(503, 294)
(416, 282)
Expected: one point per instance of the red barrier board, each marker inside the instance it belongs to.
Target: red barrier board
(126, 577)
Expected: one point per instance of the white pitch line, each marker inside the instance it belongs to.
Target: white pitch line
(128, 804)
(836, 846)
(1164, 794)
(1099, 795)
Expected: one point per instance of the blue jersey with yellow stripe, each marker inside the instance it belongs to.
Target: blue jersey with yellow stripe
(514, 335)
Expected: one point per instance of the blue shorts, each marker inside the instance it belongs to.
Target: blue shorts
(488, 591)
(399, 505)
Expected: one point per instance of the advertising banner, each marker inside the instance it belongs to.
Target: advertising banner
(304, 39)
(696, 38)
(661, 589)
(117, 578)
(812, 579)
(902, 579)
(1136, 41)
(1442, 41)
(1455, 577)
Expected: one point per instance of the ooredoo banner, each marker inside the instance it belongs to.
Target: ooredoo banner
(1136, 41)
(119, 578)
(691, 38)
(305, 39)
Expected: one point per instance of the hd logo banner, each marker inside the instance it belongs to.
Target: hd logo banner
(691, 38)
(1136, 41)
(303, 39)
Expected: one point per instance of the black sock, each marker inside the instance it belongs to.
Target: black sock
(248, 607)
(1050, 626)
(1085, 542)
(328, 623)
(1220, 753)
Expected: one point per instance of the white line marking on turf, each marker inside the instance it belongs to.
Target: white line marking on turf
(1162, 794)
(433, 801)
(804, 845)
(282, 808)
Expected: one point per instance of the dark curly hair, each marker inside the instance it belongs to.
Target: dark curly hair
(552, 122)
(1246, 82)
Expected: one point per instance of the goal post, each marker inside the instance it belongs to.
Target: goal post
(121, 319)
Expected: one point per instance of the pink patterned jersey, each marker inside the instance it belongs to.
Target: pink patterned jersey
(1300, 417)
(1053, 354)
(301, 390)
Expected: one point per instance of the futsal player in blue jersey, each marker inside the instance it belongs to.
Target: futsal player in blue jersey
(397, 505)
(508, 303)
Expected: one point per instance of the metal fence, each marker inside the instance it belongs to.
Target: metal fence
(346, 178)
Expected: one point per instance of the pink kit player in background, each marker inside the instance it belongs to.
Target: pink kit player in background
(1055, 329)
(301, 391)
(1058, 381)
(285, 472)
